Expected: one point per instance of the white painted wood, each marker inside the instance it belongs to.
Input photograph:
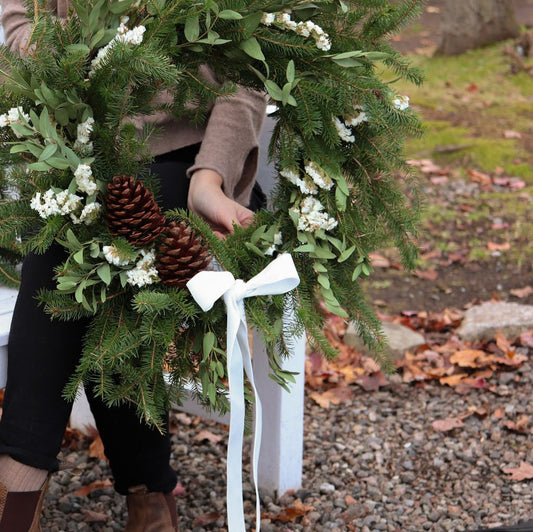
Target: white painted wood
(280, 460)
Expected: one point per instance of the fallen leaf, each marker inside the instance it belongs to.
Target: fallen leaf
(97, 484)
(499, 413)
(209, 436)
(372, 382)
(430, 275)
(470, 358)
(520, 426)
(96, 449)
(183, 418)
(526, 339)
(349, 500)
(334, 396)
(378, 261)
(510, 134)
(522, 292)
(291, 514)
(493, 246)
(453, 380)
(480, 177)
(206, 519)
(523, 472)
(445, 425)
(94, 517)
(504, 344)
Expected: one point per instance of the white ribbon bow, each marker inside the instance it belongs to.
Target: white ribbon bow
(206, 287)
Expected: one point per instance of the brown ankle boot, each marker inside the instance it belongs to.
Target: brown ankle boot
(20, 511)
(151, 511)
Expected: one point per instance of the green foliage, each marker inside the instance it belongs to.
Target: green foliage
(337, 197)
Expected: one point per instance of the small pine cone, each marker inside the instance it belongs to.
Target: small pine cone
(181, 254)
(132, 211)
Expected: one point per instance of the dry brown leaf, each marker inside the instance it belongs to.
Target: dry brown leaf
(470, 358)
(453, 380)
(372, 382)
(97, 484)
(510, 134)
(209, 436)
(96, 449)
(445, 425)
(291, 514)
(504, 344)
(526, 339)
(499, 413)
(335, 396)
(522, 292)
(520, 426)
(206, 519)
(429, 275)
(493, 246)
(94, 517)
(523, 472)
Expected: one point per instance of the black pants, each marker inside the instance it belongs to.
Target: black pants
(42, 356)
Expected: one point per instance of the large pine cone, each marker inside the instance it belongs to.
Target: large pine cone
(132, 211)
(181, 254)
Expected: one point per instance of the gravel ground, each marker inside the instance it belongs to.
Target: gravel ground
(376, 464)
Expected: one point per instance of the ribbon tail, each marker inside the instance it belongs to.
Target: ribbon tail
(234, 501)
(242, 338)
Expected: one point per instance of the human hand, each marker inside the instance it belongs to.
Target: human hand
(207, 199)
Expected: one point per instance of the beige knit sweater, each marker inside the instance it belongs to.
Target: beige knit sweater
(229, 138)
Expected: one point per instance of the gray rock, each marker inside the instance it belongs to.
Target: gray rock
(482, 322)
(400, 339)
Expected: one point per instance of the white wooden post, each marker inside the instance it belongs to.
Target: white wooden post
(280, 461)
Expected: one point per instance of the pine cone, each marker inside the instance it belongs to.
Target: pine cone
(181, 254)
(132, 211)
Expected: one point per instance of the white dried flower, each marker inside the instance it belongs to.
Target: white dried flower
(318, 175)
(311, 217)
(16, 115)
(112, 256)
(323, 43)
(125, 36)
(51, 203)
(356, 120)
(344, 132)
(306, 186)
(84, 131)
(144, 272)
(4, 121)
(89, 214)
(401, 102)
(268, 18)
(85, 180)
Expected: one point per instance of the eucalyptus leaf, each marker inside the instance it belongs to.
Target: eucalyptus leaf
(192, 28)
(208, 343)
(252, 47)
(229, 14)
(104, 272)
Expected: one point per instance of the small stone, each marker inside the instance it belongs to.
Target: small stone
(326, 487)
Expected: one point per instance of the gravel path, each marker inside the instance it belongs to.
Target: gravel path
(376, 464)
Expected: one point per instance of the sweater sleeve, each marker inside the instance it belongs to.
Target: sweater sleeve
(231, 142)
(16, 24)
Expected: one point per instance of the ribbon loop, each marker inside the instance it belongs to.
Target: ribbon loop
(279, 277)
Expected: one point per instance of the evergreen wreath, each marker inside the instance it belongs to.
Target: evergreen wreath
(75, 172)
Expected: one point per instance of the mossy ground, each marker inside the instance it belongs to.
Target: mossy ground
(477, 224)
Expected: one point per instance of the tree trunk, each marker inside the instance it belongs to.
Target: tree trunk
(468, 24)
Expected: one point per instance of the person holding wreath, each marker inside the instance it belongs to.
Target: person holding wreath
(209, 169)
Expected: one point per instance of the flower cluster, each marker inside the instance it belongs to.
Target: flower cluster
(305, 185)
(344, 132)
(145, 271)
(15, 115)
(311, 216)
(318, 175)
(88, 215)
(83, 141)
(51, 203)
(112, 255)
(85, 180)
(131, 37)
(306, 29)
(356, 120)
(401, 102)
